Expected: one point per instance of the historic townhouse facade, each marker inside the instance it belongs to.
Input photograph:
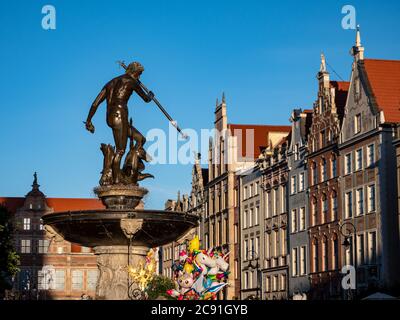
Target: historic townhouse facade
(368, 166)
(298, 223)
(251, 233)
(51, 268)
(274, 170)
(234, 148)
(324, 187)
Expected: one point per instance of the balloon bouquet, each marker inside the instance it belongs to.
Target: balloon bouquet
(200, 274)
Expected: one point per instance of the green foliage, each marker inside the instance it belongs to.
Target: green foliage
(9, 259)
(158, 287)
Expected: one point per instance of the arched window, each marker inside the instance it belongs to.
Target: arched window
(315, 255)
(325, 265)
(314, 211)
(333, 166)
(334, 206)
(324, 206)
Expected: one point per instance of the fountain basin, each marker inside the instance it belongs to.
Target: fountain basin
(93, 228)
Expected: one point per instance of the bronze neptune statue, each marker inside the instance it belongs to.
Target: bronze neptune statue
(117, 93)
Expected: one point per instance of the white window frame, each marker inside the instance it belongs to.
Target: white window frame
(27, 224)
(347, 164)
(359, 160)
(370, 162)
(370, 200)
(293, 184)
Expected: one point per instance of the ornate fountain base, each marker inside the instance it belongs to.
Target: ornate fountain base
(113, 282)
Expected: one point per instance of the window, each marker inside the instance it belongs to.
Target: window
(293, 219)
(360, 201)
(60, 280)
(268, 285)
(257, 246)
(347, 167)
(283, 242)
(302, 219)
(267, 205)
(77, 280)
(357, 123)
(275, 243)
(274, 202)
(245, 219)
(294, 263)
(245, 193)
(314, 174)
(334, 206)
(371, 198)
(293, 185)
(335, 253)
(25, 246)
(250, 218)
(334, 167)
(246, 280)
(267, 245)
(325, 207)
(246, 250)
(360, 249)
(325, 255)
(256, 188)
(359, 159)
(27, 224)
(348, 205)
(257, 216)
(41, 226)
(275, 283)
(43, 246)
(283, 199)
(296, 152)
(303, 261)
(91, 280)
(315, 255)
(314, 211)
(323, 138)
(372, 247)
(235, 236)
(323, 171)
(283, 282)
(370, 155)
(301, 182)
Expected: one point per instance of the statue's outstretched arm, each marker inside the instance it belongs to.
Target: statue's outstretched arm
(99, 99)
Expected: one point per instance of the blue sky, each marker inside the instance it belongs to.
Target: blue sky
(263, 54)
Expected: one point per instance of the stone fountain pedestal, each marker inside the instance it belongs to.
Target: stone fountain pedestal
(120, 236)
(114, 282)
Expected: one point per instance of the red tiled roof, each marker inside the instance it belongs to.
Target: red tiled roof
(70, 204)
(260, 137)
(57, 204)
(342, 88)
(12, 203)
(384, 79)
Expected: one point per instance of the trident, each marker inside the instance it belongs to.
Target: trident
(172, 121)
